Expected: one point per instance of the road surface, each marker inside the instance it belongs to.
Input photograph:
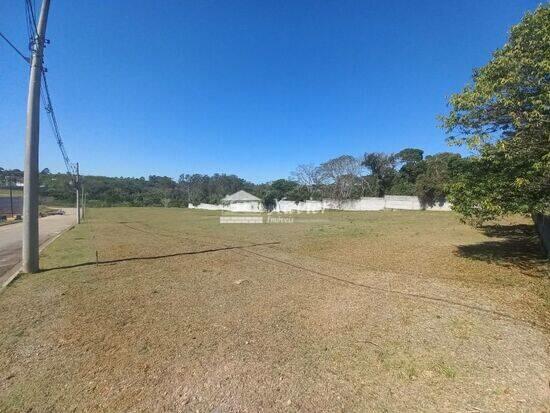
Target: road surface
(11, 239)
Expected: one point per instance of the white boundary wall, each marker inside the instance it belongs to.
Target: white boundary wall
(291, 206)
(255, 206)
(362, 204)
(402, 202)
(234, 207)
(210, 207)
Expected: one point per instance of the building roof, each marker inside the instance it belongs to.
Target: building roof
(240, 196)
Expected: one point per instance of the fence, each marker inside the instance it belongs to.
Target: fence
(542, 224)
(235, 207)
(362, 204)
(6, 205)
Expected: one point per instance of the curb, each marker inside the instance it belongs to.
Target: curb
(14, 273)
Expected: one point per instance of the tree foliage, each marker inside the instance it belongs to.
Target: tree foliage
(504, 117)
(382, 170)
(432, 184)
(339, 177)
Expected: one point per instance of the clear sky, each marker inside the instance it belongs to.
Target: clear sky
(246, 87)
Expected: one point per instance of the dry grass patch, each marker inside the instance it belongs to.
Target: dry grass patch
(380, 311)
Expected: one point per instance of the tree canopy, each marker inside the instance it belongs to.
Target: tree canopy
(504, 117)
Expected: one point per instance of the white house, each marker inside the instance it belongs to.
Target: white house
(242, 201)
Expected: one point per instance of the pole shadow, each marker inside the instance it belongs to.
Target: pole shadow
(155, 257)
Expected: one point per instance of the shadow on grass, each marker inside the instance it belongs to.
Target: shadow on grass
(156, 257)
(517, 246)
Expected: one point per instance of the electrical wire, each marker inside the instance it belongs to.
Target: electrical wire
(25, 58)
(32, 32)
(47, 102)
(31, 19)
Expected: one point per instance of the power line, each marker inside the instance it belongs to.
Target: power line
(31, 21)
(46, 97)
(33, 15)
(25, 58)
(47, 102)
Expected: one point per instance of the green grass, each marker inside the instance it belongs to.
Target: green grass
(6, 192)
(446, 370)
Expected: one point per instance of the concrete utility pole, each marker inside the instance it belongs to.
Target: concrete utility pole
(30, 182)
(82, 202)
(11, 194)
(77, 186)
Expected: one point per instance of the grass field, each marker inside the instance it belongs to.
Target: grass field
(381, 311)
(6, 192)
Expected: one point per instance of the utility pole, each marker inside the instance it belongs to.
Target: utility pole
(82, 203)
(77, 186)
(32, 135)
(11, 195)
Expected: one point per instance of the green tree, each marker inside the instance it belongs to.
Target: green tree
(382, 170)
(504, 117)
(432, 185)
(412, 165)
(279, 189)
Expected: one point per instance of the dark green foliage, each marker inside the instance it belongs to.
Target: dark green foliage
(411, 165)
(381, 167)
(107, 191)
(281, 189)
(504, 117)
(432, 184)
(198, 188)
(401, 185)
(11, 175)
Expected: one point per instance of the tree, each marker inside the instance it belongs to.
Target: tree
(381, 167)
(282, 187)
(307, 175)
(412, 164)
(199, 188)
(504, 117)
(310, 180)
(279, 189)
(164, 182)
(409, 155)
(432, 185)
(340, 176)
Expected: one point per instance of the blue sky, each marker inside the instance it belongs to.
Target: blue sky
(246, 87)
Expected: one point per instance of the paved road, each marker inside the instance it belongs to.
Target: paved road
(11, 239)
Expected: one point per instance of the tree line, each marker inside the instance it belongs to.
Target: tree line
(346, 177)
